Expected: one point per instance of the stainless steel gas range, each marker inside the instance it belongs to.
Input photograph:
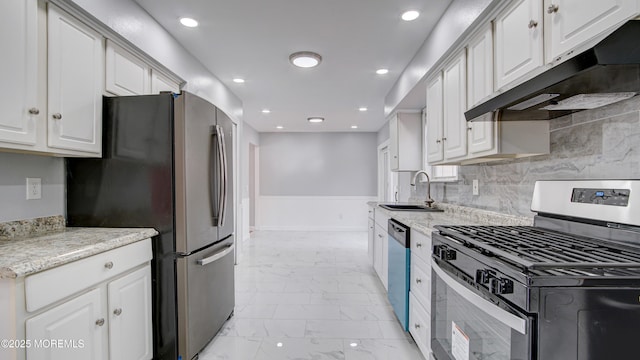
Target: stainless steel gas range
(566, 288)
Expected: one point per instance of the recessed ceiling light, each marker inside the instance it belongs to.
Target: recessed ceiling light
(382, 71)
(279, 127)
(410, 15)
(188, 22)
(363, 109)
(315, 119)
(266, 111)
(305, 59)
(238, 81)
(353, 344)
(354, 126)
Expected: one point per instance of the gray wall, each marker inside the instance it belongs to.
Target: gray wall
(595, 144)
(318, 164)
(14, 169)
(383, 133)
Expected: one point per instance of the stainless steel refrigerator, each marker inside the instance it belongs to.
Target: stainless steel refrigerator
(167, 164)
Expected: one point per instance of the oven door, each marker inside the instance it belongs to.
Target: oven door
(467, 326)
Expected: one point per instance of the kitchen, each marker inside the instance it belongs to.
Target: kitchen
(591, 144)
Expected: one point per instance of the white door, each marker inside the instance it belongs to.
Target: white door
(80, 321)
(125, 74)
(434, 120)
(569, 23)
(519, 41)
(19, 71)
(479, 87)
(76, 72)
(130, 331)
(454, 97)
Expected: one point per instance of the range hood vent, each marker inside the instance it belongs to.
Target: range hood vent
(607, 73)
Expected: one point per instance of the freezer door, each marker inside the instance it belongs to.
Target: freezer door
(205, 296)
(197, 173)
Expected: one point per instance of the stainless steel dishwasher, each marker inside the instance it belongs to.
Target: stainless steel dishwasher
(399, 266)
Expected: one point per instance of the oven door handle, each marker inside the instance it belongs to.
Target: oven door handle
(515, 322)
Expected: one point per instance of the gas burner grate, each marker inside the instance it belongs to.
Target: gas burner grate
(534, 248)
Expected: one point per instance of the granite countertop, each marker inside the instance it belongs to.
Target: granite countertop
(28, 255)
(424, 222)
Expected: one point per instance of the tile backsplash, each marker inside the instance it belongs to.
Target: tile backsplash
(603, 143)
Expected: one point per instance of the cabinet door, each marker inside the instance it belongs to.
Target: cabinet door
(160, 83)
(569, 23)
(433, 131)
(19, 72)
(479, 87)
(519, 41)
(393, 143)
(385, 260)
(76, 71)
(125, 74)
(454, 97)
(78, 322)
(377, 251)
(130, 332)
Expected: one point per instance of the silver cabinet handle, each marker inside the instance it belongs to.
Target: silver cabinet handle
(443, 139)
(553, 8)
(380, 236)
(438, 141)
(109, 265)
(418, 244)
(56, 116)
(100, 322)
(469, 128)
(216, 256)
(34, 111)
(417, 326)
(418, 281)
(117, 312)
(532, 24)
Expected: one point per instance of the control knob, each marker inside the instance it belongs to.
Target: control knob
(444, 253)
(500, 286)
(483, 276)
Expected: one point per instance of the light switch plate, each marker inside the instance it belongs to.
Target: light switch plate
(34, 188)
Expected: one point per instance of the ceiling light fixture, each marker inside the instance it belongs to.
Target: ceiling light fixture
(279, 127)
(354, 126)
(305, 59)
(382, 71)
(363, 109)
(410, 15)
(238, 81)
(266, 111)
(188, 22)
(315, 119)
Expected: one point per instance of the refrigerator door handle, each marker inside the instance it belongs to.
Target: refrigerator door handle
(225, 177)
(217, 146)
(216, 256)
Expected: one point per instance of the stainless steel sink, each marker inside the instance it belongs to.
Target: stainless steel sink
(409, 207)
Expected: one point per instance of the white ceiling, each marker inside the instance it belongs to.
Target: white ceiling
(253, 39)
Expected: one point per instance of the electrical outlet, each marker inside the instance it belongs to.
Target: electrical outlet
(475, 187)
(34, 188)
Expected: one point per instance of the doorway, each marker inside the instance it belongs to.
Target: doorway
(387, 179)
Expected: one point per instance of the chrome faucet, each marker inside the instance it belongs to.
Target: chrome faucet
(429, 200)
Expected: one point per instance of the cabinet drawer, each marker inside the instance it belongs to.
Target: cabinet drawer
(420, 280)
(420, 325)
(421, 246)
(70, 278)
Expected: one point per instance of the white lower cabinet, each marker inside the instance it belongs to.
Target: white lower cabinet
(96, 308)
(381, 261)
(420, 292)
(371, 236)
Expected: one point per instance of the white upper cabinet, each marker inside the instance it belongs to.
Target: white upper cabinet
(125, 74)
(405, 135)
(569, 23)
(434, 134)
(480, 86)
(454, 106)
(19, 71)
(519, 41)
(160, 82)
(75, 83)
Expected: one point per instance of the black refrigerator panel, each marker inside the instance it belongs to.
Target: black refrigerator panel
(132, 186)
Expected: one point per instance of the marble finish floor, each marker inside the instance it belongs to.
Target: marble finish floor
(310, 295)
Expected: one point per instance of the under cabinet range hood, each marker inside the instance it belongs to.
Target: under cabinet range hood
(607, 73)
